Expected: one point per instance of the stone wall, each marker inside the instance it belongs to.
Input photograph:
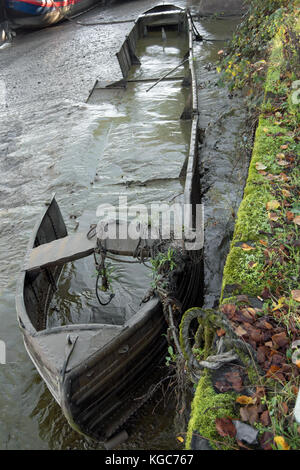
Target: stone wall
(224, 7)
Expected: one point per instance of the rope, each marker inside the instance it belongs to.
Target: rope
(198, 36)
(101, 268)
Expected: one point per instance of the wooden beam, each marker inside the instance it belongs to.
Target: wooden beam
(60, 251)
(73, 247)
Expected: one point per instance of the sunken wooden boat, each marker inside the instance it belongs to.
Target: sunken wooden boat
(94, 371)
(98, 372)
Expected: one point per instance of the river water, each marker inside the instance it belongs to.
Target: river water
(52, 140)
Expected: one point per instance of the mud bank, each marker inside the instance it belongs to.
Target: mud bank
(222, 7)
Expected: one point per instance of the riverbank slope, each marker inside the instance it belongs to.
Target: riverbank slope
(253, 403)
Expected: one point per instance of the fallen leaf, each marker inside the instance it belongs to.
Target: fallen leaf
(296, 220)
(244, 413)
(284, 147)
(279, 305)
(296, 295)
(286, 193)
(280, 156)
(260, 166)
(266, 440)
(240, 331)
(225, 427)
(267, 325)
(229, 309)
(235, 380)
(251, 264)
(265, 418)
(253, 414)
(273, 369)
(281, 443)
(263, 242)
(289, 215)
(280, 339)
(285, 408)
(246, 247)
(221, 332)
(283, 163)
(180, 438)
(272, 205)
(273, 216)
(245, 400)
(284, 177)
(223, 386)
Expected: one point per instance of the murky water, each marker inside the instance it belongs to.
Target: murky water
(52, 141)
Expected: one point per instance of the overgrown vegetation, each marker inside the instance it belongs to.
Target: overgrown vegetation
(244, 63)
(261, 293)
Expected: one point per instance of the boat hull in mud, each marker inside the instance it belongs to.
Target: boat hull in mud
(100, 374)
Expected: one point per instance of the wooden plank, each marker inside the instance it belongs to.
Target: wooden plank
(60, 251)
(78, 246)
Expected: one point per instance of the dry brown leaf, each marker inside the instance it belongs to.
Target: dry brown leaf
(265, 418)
(289, 215)
(296, 295)
(221, 332)
(225, 427)
(229, 309)
(240, 331)
(296, 220)
(280, 339)
(266, 440)
(273, 369)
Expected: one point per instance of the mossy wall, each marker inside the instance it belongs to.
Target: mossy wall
(206, 407)
(245, 271)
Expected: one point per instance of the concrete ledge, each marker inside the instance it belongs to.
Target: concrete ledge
(222, 7)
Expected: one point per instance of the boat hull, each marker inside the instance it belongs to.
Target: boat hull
(42, 13)
(100, 374)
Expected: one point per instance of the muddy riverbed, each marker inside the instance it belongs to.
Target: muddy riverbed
(51, 140)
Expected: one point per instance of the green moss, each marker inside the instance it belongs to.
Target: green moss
(206, 407)
(246, 270)
(252, 218)
(238, 270)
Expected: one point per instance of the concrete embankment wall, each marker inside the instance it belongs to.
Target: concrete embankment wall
(222, 7)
